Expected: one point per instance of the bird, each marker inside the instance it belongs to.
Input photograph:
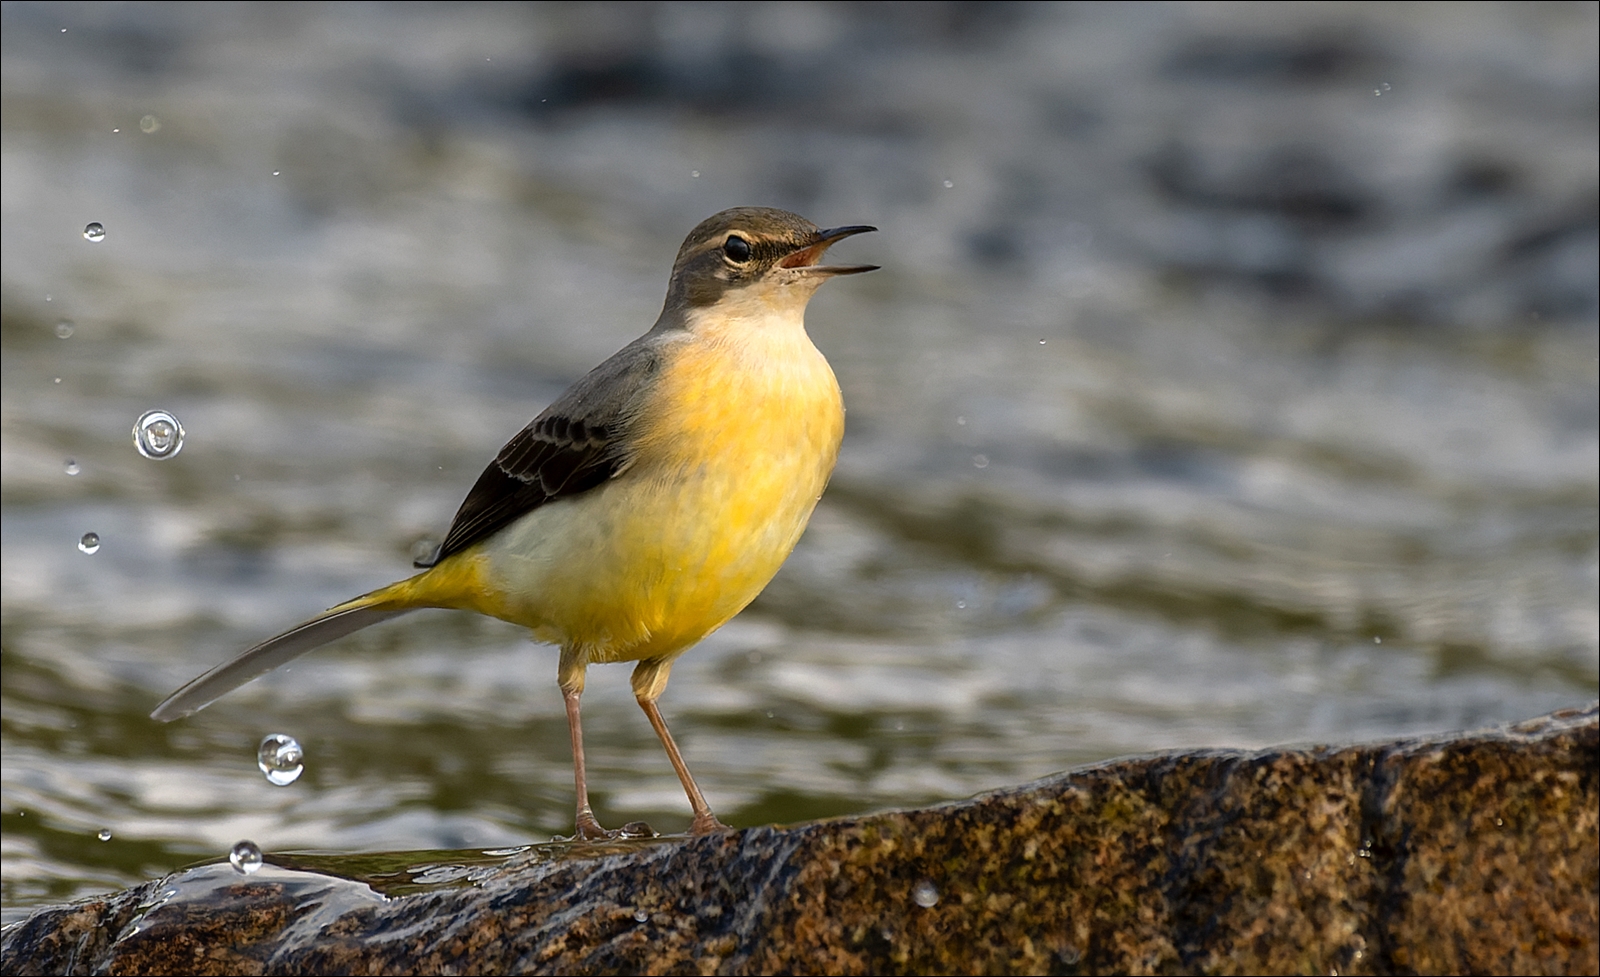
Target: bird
(651, 502)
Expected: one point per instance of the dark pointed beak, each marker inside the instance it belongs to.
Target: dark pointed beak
(808, 256)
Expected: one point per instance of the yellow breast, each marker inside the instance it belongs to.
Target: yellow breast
(735, 445)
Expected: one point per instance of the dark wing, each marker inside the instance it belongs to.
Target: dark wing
(576, 444)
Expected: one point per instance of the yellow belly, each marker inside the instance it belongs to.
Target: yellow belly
(737, 446)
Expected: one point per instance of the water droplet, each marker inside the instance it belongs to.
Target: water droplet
(1377, 640)
(1381, 89)
(949, 184)
(695, 174)
(158, 435)
(104, 835)
(64, 329)
(962, 421)
(245, 858)
(281, 759)
(276, 172)
(980, 461)
(89, 543)
(639, 915)
(925, 894)
(94, 231)
(71, 467)
(149, 124)
(1041, 342)
(58, 379)
(961, 605)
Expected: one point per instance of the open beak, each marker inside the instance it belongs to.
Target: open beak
(808, 256)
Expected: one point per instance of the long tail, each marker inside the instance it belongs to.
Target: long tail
(331, 624)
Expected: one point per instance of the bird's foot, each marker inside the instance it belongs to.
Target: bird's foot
(707, 824)
(589, 829)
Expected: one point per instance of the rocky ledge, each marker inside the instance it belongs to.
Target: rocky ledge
(1468, 853)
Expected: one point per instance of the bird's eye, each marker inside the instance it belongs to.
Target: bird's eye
(737, 249)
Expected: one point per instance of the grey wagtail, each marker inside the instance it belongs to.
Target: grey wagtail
(652, 501)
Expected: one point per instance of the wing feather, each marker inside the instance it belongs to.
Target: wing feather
(576, 444)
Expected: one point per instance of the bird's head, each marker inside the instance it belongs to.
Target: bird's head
(755, 255)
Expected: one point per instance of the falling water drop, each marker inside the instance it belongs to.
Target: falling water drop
(104, 835)
(925, 894)
(89, 543)
(158, 435)
(245, 858)
(280, 758)
(71, 466)
(94, 231)
(64, 329)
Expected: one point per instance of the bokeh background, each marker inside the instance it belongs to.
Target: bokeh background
(1231, 380)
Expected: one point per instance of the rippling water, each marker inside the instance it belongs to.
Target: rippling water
(1231, 380)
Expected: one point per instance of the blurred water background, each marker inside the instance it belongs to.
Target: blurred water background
(1231, 380)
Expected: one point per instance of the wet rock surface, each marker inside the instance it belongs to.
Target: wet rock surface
(1473, 852)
